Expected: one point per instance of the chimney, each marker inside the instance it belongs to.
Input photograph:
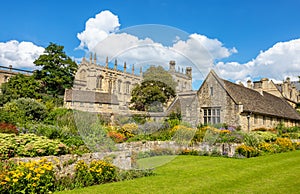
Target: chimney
(172, 66)
(285, 89)
(188, 72)
(264, 83)
(249, 84)
(83, 60)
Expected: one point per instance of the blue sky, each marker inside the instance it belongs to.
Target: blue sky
(252, 38)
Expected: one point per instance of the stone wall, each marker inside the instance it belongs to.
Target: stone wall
(222, 148)
(65, 164)
(123, 158)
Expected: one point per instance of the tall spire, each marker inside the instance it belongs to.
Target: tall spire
(124, 67)
(132, 69)
(83, 60)
(95, 58)
(91, 58)
(116, 64)
(141, 71)
(106, 62)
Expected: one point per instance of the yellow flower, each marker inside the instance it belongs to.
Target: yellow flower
(3, 183)
(28, 176)
(7, 179)
(15, 180)
(34, 184)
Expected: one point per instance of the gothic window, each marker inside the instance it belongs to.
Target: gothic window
(99, 82)
(109, 86)
(127, 88)
(212, 115)
(82, 75)
(119, 86)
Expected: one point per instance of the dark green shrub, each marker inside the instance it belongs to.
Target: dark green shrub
(25, 110)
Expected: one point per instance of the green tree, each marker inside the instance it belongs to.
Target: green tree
(159, 74)
(58, 70)
(151, 96)
(20, 86)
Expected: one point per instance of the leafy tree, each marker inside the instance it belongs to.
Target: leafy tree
(20, 86)
(58, 70)
(151, 96)
(159, 74)
(154, 92)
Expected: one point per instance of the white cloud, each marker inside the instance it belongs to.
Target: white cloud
(278, 62)
(97, 29)
(19, 54)
(99, 36)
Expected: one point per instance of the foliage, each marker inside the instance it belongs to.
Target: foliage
(29, 177)
(96, 172)
(247, 151)
(182, 134)
(25, 110)
(151, 96)
(253, 139)
(174, 118)
(19, 86)
(29, 145)
(284, 144)
(58, 70)
(129, 130)
(116, 136)
(159, 74)
(266, 136)
(8, 128)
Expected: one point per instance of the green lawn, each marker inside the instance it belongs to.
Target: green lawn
(278, 173)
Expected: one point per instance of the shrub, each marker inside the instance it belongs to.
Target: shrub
(268, 147)
(266, 136)
(284, 144)
(182, 134)
(116, 136)
(252, 139)
(29, 145)
(247, 151)
(95, 173)
(26, 109)
(8, 128)
(129, 129)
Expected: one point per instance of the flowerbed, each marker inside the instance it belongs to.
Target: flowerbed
(43, 176)
(31, 145)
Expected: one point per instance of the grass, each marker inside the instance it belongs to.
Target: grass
(278, 173)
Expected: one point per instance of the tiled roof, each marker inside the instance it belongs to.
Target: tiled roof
(90, 97)
(256, 102)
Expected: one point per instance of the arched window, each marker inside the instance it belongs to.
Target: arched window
(99, 82)
(82, 75)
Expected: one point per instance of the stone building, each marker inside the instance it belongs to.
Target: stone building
(7, 72)
(286, 90)
(108, 90)
(221, 101)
